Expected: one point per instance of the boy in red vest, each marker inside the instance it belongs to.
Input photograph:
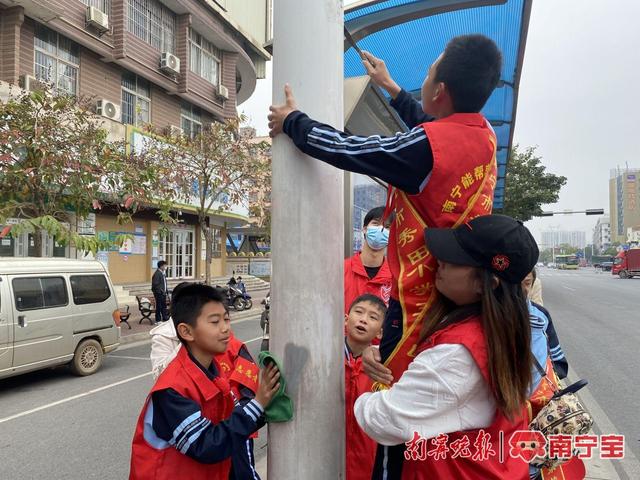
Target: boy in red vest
(441, 173)
(189, 427)
(362, 324)
(368, 270)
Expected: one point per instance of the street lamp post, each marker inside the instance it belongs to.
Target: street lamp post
(307, 248)
(589, 211)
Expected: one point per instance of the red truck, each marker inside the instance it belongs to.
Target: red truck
(627, 264)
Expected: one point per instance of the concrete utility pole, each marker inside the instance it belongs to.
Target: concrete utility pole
(307, 245)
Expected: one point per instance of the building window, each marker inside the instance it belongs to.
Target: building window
(56, 60)
(205, 58)
(136, 99)
(191, 120)
(154, 23)
(103, 5)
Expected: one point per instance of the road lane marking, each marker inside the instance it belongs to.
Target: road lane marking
(569, 288)
(74, 397)
(254, 339)
(129, 358)
(630, 463)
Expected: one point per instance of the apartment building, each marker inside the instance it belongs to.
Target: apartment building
(175, 64)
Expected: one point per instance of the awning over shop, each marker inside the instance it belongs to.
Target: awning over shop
(410, 34)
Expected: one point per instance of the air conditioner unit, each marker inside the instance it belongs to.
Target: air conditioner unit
(169, 63)
(108, 109)
(31, 83)
(97, 19)
(175, 131)
(223, 91)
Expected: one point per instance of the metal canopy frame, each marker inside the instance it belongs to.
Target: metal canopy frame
(367, 21)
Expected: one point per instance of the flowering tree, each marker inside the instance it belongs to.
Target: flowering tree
(57, 166)
(214, 170)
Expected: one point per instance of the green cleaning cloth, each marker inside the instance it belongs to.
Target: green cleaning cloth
(281, 407)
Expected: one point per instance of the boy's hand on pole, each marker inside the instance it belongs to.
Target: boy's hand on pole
(268, 386)
(378, 72)
(374, 368)
(280, 112)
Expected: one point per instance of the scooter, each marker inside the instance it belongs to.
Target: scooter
(237, 300)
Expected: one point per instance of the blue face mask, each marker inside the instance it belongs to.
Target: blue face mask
(377, 237)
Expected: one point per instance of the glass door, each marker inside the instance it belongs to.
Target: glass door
(177, 249)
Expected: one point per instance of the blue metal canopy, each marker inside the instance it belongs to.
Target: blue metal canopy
(410, 34)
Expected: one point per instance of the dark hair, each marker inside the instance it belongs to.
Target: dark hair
(161, 263)
(373, 214)
(505, 322)
(470, 68)
(372, 299)
(188, 300)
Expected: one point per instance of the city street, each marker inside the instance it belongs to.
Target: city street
(57, 426)
(597, 317)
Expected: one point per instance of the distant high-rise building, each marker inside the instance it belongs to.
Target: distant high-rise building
(556, 238)
(624, 189)
(602, 234)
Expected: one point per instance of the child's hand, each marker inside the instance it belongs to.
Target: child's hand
(280, 112)
(378, 72)
(374, 368)
(268, 386)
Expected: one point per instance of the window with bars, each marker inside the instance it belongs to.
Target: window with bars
(136, 99)
(205, 58)
(56, 60)
(154, 23)
(191, 119)
(103, 5)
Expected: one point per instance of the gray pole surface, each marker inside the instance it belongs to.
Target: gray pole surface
(307, 248)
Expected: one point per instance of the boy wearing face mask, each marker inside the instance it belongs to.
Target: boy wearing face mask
(367, 271)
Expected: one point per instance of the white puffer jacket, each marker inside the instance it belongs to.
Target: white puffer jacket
(164, 346)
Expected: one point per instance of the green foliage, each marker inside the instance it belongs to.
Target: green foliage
(57, 166)
(528, 186)
(216, 169)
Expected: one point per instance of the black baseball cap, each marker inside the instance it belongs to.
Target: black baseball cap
(497, 243)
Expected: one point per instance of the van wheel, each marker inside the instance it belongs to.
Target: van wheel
(624, 274)
(87, 358)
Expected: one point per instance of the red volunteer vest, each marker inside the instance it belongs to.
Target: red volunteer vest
(357, 282)
(470, 334)
(360, 449)
(214, 397)
(460, 188)
(236, 369)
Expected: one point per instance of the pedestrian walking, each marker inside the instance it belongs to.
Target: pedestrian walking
(160, 290)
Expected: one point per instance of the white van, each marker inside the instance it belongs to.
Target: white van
(53, 312)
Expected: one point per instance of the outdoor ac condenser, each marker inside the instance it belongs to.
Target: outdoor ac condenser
(223, 92)
(108, 109)
(97, 19)
(169, 63)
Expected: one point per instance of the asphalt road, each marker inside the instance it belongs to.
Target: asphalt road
(57, 426)
(597, 317)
